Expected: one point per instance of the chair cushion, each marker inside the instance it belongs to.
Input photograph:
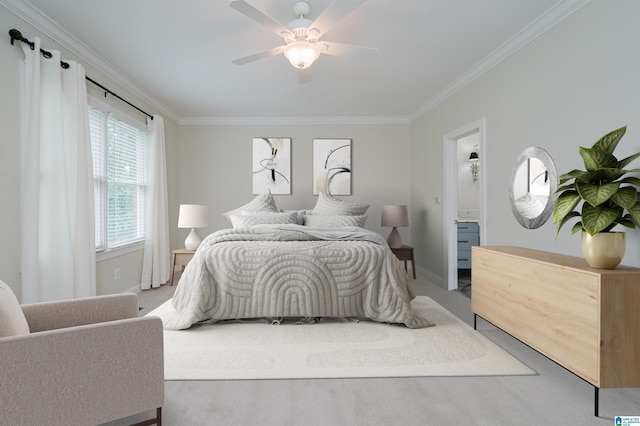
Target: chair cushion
(12, 320)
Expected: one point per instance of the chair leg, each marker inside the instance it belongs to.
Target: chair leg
(155, 421)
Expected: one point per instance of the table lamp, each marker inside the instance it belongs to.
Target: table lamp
(193, 216)
(395, 216)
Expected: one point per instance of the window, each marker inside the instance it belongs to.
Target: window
(118, 150)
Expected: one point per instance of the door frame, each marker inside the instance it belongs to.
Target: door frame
(451, 195)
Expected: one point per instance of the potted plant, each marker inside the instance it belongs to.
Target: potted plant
(609, 197)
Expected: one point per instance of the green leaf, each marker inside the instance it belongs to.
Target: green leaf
(634, 212)
(571, 175)
(563, 188)
(595, 159)
(597, 219)
(626, 197)
(596, 194)
(566, 219)
(604, 175)
(623, 163)
(631, 180)
(626, 222)
(609, 141)
(564, 205)
(577, 228)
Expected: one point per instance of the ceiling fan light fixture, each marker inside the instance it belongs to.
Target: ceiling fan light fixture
(301, 54)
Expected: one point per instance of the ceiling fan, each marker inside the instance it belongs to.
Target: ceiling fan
(302, 35)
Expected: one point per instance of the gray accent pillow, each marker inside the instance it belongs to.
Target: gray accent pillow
(327, 204)
(260, 218)
(300, 214)
(334, 220)
(12, 319)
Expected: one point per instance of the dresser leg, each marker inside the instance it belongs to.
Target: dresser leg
(596, 401)
(475, 321)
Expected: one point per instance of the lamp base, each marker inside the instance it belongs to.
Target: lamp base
(394, 240)
(193, 240)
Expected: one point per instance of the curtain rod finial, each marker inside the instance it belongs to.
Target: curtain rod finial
(15, 35)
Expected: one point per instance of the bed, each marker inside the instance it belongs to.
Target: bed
(269, 265)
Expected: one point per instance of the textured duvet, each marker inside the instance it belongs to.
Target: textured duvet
(293, 271)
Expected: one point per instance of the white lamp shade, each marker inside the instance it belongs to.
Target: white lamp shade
(193, 216)
(395, 216)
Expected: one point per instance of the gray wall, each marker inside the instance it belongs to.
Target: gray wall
(215, 167)
(566, 89)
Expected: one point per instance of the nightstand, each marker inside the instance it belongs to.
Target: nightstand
(405, 253)
(179, 257)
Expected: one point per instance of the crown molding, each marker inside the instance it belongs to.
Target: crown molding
(545, 22)
(553, 16)
(33, 16)
(289, 121)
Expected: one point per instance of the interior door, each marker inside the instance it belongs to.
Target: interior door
(451, 199)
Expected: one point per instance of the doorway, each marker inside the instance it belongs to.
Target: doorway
(463, 174)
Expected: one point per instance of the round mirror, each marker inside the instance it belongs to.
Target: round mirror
(532, 190)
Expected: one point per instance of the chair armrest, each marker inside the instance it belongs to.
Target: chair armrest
(89, 374)
(74, 312)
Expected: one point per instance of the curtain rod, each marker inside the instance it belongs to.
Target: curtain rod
(17, 35)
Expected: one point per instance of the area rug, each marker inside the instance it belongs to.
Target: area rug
(333, 349)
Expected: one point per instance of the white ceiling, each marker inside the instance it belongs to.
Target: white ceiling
(177, 54)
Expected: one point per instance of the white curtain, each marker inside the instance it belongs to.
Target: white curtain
(56, 206)
(155, 267)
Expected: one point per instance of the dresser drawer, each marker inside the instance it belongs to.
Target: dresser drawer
(464, 259)
(466, 227)
(465, 242)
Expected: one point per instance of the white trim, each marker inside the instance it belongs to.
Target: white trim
(292, 121)
(450, 196)
(118, 113)
(119, 251)
(545, 22)
(51, 29)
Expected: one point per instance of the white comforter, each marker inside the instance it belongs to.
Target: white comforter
(293, 271)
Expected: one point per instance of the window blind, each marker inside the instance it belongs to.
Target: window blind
(119, 180)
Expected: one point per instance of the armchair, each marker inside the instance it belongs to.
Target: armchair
(81, 362)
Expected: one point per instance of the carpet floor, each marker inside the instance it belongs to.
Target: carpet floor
(237, 350)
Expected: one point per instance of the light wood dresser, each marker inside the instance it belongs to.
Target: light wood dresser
(585, 319)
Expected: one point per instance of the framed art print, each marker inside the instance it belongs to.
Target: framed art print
(272, 165)
(332, 166)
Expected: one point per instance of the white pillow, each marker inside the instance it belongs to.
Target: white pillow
(262, 203)
(242, 221)
(334, 220)
(12, 319)
(326, 204)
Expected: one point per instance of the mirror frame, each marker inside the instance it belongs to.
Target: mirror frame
(545, 158)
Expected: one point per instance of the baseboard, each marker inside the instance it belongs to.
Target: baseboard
(438, 280)
(135, 289)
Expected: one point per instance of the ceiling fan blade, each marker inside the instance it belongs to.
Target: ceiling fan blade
(257, 56)
(248, 10)
(341, 49)
(305, 75)
(335, 12)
